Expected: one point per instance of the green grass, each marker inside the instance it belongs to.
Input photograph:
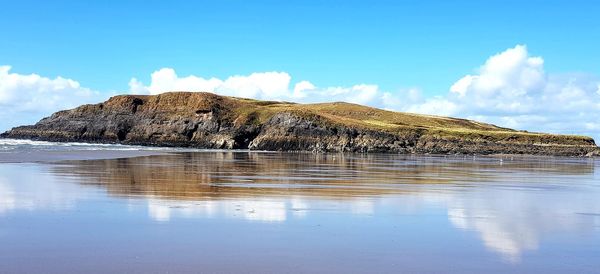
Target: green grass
(251, 111)
(353, 115)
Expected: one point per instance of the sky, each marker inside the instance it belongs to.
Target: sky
(530, 65)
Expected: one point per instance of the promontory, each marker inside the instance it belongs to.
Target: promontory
(206, 120)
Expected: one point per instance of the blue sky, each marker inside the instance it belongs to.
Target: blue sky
(396, 45)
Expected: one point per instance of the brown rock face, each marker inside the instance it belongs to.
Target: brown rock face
(206, 120)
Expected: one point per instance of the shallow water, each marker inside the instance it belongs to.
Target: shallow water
(262, 212)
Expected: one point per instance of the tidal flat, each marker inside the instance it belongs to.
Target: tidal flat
(268, 212)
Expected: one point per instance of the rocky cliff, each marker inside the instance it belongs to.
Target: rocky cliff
(206, 120)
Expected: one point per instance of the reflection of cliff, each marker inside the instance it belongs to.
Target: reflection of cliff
(228, 174)
(207, 175)
(511, 204)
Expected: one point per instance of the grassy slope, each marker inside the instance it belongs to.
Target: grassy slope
(353, 115)
(242, 110)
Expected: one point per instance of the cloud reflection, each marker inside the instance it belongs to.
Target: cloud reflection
(31, 188)
(510, 205)
(260, 210)
(511, 222)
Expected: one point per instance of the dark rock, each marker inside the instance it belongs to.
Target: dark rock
(206, 120)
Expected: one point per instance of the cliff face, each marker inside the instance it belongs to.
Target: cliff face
(205, 120)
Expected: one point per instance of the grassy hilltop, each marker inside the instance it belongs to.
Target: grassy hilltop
(206, 120)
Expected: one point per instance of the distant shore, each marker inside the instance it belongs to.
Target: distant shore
(209, 121)
(31, 151)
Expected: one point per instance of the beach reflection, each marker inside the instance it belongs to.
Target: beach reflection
(28, 188)
(224, 175)
(256, 210)
(511, 223)
(510, 204)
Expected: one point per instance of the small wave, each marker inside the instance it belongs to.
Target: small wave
(31, 145)
(16, 142)
(12, 144)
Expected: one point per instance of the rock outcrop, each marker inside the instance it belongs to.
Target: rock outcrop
(206, 120)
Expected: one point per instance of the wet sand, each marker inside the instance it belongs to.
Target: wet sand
(259, 212)
(55, 156)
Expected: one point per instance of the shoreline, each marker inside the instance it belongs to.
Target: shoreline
(58, 156)
(73, 151)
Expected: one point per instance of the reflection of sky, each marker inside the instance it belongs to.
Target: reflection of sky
(8, 201)
(31, 188)
(507, 223)
(262, 210)
(258, 210)
(509, 220)
(512, 222)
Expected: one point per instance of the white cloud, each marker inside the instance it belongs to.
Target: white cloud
(27, 98)
(461, 86)
(302, 87)
(259, 85)
(506, 83)
(436, 106)
(512, 89)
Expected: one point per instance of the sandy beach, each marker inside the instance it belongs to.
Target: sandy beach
(96, 210)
